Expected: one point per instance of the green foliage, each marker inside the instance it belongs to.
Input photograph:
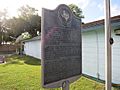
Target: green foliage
(3, 32)
(28, 21)
(76, 10)
(26, 12)
(26, 35)
(16, 26)
(33, 25)
(31, 18)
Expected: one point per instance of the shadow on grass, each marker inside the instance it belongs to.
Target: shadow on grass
(20, 60)
(115, 86)
(14, 62)
(32, 61)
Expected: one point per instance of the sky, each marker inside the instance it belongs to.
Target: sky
(92, 9)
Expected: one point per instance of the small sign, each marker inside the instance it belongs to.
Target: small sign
(2, 59)
(61, 47)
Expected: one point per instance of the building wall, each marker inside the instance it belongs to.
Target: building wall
(116, 58)
(32, 48)
(94, 56)
(89, 53)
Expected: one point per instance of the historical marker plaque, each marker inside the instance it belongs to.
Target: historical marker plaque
(61, 46)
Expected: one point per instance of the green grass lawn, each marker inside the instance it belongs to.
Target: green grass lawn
(23, 73)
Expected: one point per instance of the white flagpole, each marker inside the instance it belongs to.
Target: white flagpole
(108, 60)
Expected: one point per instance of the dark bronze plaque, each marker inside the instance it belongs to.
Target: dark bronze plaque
(61, 45)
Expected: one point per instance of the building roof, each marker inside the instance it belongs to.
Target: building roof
(32, 39)
(115, 19)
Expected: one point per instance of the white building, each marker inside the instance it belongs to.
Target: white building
(32, 47)
(93, 49)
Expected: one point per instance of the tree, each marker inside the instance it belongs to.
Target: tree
(3, 32)
(28, 21)
(76, 10)
(31, 18)
(26, 12)
(15, 26)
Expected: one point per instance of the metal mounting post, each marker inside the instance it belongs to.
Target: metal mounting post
(65, 85)
(108, 52)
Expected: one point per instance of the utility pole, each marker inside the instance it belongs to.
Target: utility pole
(108, 42)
